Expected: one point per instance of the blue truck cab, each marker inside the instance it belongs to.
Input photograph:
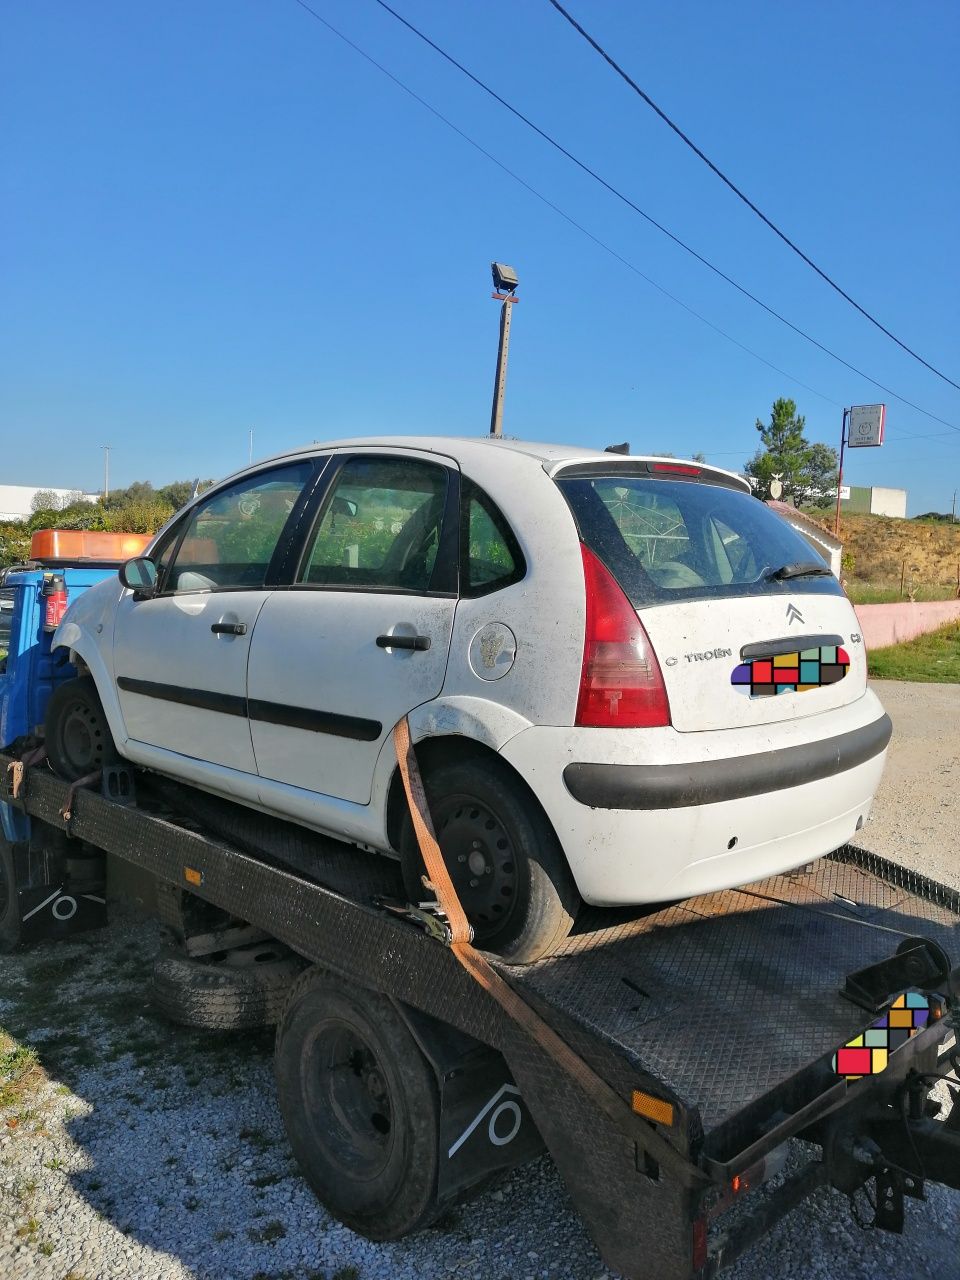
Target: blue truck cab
(50, 885)
(28, 670)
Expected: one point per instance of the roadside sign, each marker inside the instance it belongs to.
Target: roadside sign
(865, 425)
(844, 493)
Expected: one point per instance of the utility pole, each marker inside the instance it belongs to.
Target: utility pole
(953, 509)
(843, 440)
(251, 446)
(106, 470)
(505, 286)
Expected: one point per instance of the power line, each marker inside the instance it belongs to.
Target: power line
(561, 213)
(647, 217)
(579, 226)
(741, 195)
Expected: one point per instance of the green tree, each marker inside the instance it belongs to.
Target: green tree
(181, 491)
(808, 472)
(45, 500)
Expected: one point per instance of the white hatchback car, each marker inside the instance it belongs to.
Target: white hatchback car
(627, 680)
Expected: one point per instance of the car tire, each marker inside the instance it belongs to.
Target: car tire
(360, 1105)
(237, 990)
(503, 856)
(9, 900)
(78, 737)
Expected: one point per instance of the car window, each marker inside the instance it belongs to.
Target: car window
(490, 556)
(379, 527)
(683, 540)
(230, 539)
(162, 551)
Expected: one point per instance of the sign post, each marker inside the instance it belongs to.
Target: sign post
(865, 432)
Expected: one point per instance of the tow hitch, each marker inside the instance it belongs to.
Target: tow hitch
(902, 1146)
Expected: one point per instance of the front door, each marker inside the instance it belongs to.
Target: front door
(363, 635)
(180, 657)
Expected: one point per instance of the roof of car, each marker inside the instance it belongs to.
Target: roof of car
(549, 456)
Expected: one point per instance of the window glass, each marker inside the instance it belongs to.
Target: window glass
(380, 526)
(492, 558)
(162, 553)
(230, 539)
(682, 540)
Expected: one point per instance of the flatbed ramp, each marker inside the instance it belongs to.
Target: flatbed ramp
(724, 997)
(725, 1008)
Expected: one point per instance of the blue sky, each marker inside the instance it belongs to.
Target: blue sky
(215, 216)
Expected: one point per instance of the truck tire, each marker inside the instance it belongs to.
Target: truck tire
(9, 900)
(360, 1106)
(78, 738)
(503, 856)
(233, 991)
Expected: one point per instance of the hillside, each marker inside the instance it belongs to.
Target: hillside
(876, 547)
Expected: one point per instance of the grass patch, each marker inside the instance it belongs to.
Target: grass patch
(876, 593)
(269, 1233)
(931, 658)
(20, 1071)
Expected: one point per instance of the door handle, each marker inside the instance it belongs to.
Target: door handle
(421, 643)
(229, 628)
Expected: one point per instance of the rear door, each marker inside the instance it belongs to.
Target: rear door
(737, 644)
(180, 657)
(362, 636)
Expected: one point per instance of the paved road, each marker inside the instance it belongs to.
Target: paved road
(916, 815)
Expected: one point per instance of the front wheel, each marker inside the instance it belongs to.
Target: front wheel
(78, 738)
(360, 1106)
(503, 857)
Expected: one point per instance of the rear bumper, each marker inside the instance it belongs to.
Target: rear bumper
(676, 786)
(669, 837)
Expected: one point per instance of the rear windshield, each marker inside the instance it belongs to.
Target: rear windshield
(669, 540)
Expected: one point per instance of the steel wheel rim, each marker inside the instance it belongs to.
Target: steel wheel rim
(482, 862)
(81, 736)
(350, 1101)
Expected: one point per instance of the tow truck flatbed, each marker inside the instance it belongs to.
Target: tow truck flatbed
(726, 1010)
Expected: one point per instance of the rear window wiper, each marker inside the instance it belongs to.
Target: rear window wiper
(801, 569)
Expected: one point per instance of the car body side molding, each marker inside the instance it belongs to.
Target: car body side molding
(270, 712)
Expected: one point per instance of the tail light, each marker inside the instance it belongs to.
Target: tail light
(621, 685)
(55, 600)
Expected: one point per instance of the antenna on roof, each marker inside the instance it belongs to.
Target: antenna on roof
(618, 448)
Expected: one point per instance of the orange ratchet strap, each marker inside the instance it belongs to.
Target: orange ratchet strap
(438, 879)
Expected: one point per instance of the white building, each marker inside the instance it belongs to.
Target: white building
(830, 548)
(16, 499)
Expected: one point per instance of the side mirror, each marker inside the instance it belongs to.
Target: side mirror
(345, 507)
(139, 576)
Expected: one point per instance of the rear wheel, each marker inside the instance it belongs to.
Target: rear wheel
(360, 1106)
(78, 738)
(503, 857)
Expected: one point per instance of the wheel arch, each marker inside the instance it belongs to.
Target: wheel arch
(85, 656)
(445, 749)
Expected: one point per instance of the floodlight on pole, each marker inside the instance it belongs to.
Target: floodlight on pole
(505, 282)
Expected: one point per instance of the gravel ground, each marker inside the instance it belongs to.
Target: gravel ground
(135, 1149)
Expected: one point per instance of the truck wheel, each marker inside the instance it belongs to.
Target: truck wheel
(231, 991)
(78, 738)
(504, 859)
(360, 1106)
(9, 901)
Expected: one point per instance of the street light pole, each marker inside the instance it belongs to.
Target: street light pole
(106, 470)
(505, 285)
